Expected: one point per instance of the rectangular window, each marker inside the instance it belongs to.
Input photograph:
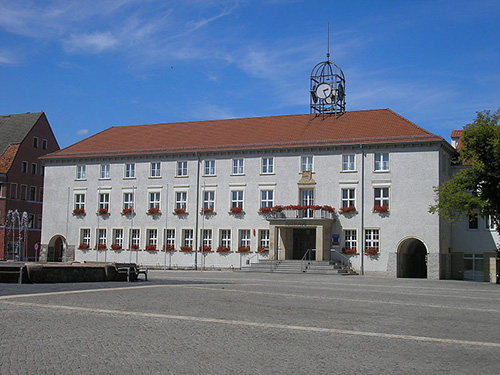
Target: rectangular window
(155, 169)
(135, 238)
(237, 199)
(238, 166)
(381, 196)
(473, 222)
(85, 237)
(104, 202)
(206, 235)
(34, 168)
(42, 170)
(44, 144)
(170, 239)
(474, 267)
(129, 170)
(267, 165)
(349, 162)
(79, 201)
(3, 191)
(13, 190)
(24, 167)
(209, 200)
(266, 198)
(40, 194)
(81, 172)
(33, 193)
(348, 197)
(187, 238)
(182, 168)
(381, 161)
(31, 221)
(350, 240)
(264, 239)
(488, 223)
(181, 200)
(24, 192)
(101, 237)
(306, 163)
(209, 167)
(225, 238)
(118, 238)
(307, 199)
(35, 142)
(153, 238)
(105, 171)
(128, 201)
(245, 238)
(154, 200)
(372, 239)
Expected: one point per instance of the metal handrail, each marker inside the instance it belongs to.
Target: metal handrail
(345, 261)
(308, 253)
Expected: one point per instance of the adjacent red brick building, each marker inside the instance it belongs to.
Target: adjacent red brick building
(23, 139)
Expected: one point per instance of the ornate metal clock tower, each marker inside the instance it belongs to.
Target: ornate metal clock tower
(327, 89)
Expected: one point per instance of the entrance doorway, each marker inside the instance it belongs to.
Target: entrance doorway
(55, 251)
(303, 239)
(412, 259)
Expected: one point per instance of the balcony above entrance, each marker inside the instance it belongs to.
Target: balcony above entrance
(299, 214)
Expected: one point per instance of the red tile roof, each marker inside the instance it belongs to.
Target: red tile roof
(370, 126)
(456, 133)
(7, 158)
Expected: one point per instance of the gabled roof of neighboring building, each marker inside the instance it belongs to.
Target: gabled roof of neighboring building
(14, 128)
(369, 126)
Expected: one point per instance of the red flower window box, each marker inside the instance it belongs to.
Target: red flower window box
(223, 249)
(349, 251)
(180, 211)
(135, 247)
(372, 251)
(101, 246)
(348, 209)
(116, 246)
(84, 246)
(205, 249)
(186, 248)
(151, 248)
(380, 209)
(236, 210)
(103, 211)
(168, 248)
(263, 249)
(207, 211)
(153, 211)
(79, 211)
(127, 211)
(243, 249)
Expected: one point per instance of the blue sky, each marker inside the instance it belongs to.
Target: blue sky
(91, 64)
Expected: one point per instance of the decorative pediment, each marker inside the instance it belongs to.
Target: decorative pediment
(306, 179)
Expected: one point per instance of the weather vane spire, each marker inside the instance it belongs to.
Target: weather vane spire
(328, 43)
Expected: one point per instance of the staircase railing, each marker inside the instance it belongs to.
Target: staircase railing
(306, 260)
(344, 261)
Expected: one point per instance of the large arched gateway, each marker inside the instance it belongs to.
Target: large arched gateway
(56, 251)
(412, 258)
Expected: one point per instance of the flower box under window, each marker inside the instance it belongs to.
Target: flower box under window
(349, 251)
(84, 246)
(380, 209)
(79, 211)
(101, 246)
(207, 211)
(116, 246)
(168, 248)
(236, 210)
(205, 249)
(223, 249)
(153, 211)
(127, 211)
(262, 249)
(135, 247)
(180, 211)
(243, 249)
(186, 248)
(372, 251)
(347, 210)
(151, 248)
(103, 211)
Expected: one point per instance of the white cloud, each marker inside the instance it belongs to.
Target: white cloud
(82, 132)
(6, 58)
(91, 43)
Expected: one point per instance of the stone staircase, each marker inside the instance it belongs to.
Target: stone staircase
(295, 266)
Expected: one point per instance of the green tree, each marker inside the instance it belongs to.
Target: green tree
(475, 189)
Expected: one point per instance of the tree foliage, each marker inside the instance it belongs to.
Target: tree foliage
(475, 189)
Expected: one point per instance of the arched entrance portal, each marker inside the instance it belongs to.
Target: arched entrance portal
(57, 249)
(412, 259)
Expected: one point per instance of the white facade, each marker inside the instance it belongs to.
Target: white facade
(400, 175)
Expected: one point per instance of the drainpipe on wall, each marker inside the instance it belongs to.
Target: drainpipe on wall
(362, 217)
(196, 212)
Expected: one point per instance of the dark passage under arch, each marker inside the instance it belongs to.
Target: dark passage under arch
(412, 259)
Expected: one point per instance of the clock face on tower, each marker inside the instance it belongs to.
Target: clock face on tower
(323, 91)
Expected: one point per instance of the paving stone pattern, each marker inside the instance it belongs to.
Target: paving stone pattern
(190, 322)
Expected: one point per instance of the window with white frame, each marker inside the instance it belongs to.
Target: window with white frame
(351, 239)
(225, 238)
(267, 165)
(135, 238)
(24, 167)
(209, 200)
(31, 220)
(81, 172)
(34, 168)
(152, 237)
(245, 238)
(24, 191)
(33, 193)
(474, 267)
(187, 238)
(44, 144)
(79, 201)
(154, 199)
(206, 235)
(85, 236)
(237, 199)
(488, 223)
(372, 239)
(266, 198)
(170, 238)
(128, 201)
(238, 166)
(101, 237)
(381, 162)
(381, 196)
(155, 169)
(129, 171)
(348, 197)
(42, 170)
(118, 237)
(181, 200)
(264, 239)
(104, 201)
(348, 162)
(182, 168)
(35, 142)
(105, 171)
(306, 163)
(307, 199)
(209, 167)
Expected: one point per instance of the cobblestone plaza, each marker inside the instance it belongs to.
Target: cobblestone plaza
(192, 322)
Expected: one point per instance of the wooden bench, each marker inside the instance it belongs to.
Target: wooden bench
(131, 270)
(8, 268)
